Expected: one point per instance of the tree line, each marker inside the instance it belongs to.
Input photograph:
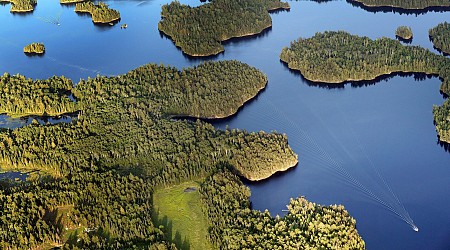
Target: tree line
(404, 4)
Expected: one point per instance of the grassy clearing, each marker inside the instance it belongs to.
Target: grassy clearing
(181, 214)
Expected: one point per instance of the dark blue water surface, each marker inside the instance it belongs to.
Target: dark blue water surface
(379, 134)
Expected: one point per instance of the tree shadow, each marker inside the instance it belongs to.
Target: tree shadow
(401, 11)
(167, 228)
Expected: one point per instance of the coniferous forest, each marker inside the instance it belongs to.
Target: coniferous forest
(440, 36)
(336, 57)
(199, 31)
(93, 188)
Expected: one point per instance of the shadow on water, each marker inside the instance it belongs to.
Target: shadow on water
(444, 145)
(278, 175)
(401, 11)
(362, 83)
(14, 176)
(233, 40)
(403, 40)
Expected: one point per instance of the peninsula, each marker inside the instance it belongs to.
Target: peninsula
(440, 37)
(21, 5)
(100, 12)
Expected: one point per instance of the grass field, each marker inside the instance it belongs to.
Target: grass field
(181, 214)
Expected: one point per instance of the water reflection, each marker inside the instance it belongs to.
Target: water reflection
(12, 123)
(401, 11)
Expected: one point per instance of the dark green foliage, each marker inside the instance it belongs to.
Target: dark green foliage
(404, 4)
(440, 36)
(404, 32)
(21, 5)
(111, 211)
(339, 56)
(198, 31)
(100, 12)
(124, 122)
(442, 121)
(21, 96)
(233, 225)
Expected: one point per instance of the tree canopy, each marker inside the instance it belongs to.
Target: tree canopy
(199, 31)
(440, 36)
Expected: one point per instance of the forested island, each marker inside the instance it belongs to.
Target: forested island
(199, 31)
(34, 48)
(97, 174)
(440, 37)
(442, 121)
(404, 4)
(404, 33)
(337, 57)
(21, 5)
(100, 12)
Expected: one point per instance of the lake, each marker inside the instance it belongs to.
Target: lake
(360, 145)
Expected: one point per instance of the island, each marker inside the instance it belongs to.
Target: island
(199, 31)
(339, 57)
(404, 33)
(98, 174)
(101, 13)
(440, 37)
(403, 4)
(34, 48)
(21, 5)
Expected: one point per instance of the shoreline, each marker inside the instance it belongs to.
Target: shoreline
(224, 116)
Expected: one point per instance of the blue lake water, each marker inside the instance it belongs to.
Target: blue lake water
(344, 135)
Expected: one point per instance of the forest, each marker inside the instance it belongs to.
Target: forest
(440, 37)
(95, 176)
(442, 121)
(336, 57)
(233, 225)
(404, 4)
(404, 32)
(100, 12)
(21, 5)
(20, 96)
(199, 31)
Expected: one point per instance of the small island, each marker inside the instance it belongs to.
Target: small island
(404, 4)
(199, 31)
(101, 13)
(34, 48)
(404, 33)
(21, 5)
(440, 37)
